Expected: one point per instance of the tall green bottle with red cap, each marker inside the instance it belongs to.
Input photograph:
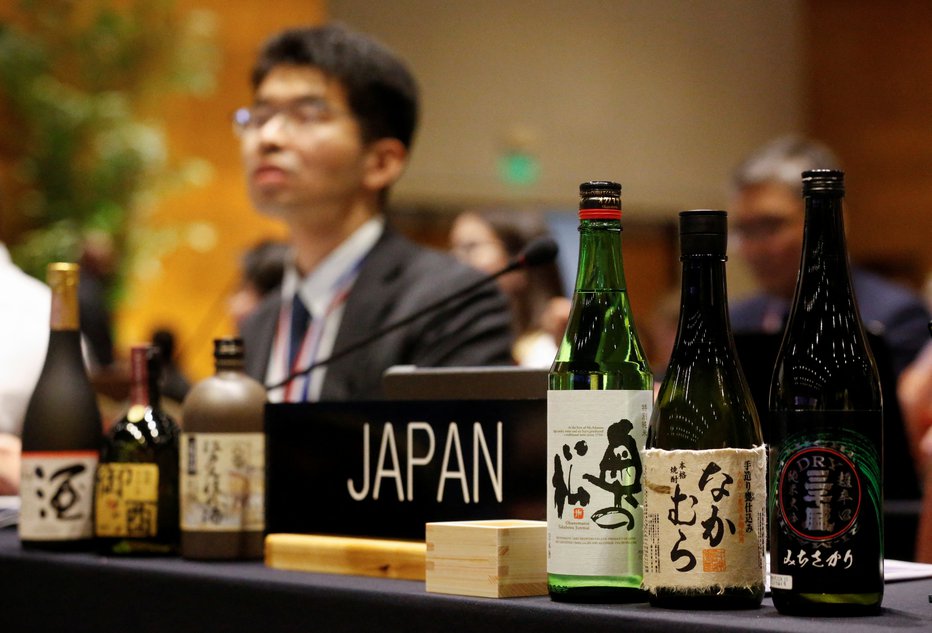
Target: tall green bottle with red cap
(598, 406)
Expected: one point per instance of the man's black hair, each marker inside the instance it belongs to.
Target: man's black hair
(381, 91)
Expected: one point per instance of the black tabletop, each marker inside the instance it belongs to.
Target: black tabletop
(42, 591)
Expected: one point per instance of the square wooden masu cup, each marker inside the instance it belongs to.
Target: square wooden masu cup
(491, 559)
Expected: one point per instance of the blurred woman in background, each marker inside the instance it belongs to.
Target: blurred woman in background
(487, 240)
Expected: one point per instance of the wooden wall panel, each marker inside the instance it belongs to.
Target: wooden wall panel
(870, 98)
(187, 290)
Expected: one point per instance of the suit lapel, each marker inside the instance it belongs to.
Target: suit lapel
(372, 296)
(260, 332)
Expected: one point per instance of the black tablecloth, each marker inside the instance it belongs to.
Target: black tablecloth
(84, 592)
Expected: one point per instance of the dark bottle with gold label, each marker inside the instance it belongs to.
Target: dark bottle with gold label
(137, 480)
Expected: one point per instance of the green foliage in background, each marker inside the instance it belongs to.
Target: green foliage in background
(81, 82)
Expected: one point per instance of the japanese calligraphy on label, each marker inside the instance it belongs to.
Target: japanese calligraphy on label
(704, 518)
(127, 500)
(828, 500)
(223, 481)
(594, 481)
(57, 492)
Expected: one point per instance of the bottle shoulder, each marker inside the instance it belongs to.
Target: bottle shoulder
(225, 402)
(145, 426)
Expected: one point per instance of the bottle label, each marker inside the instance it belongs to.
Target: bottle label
(704, 518)
(127, 500)
(594, 444)
(827, 524)
(223, 482)
(57, 493)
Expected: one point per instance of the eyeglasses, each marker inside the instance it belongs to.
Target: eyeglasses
(296, 114)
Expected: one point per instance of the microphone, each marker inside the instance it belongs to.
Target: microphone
(539, 251)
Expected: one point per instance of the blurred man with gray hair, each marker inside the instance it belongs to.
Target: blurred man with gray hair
(767, 217)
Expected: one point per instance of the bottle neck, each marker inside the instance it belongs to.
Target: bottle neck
(144, 381)
(703, 302)
(825, 253)
(227, 364)
(600, 262)
(64, 314)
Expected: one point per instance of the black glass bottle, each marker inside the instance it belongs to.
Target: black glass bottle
(705, 467)
(137, 480)
(598, 404)
(826, 540)
(61, 433)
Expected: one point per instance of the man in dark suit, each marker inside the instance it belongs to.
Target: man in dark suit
(329, 132)
(767, 215)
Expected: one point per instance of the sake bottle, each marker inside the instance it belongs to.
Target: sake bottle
(705, 467)
(223, 462)
(826, 518)
(137, 479)
(61, 433)
(598, 404)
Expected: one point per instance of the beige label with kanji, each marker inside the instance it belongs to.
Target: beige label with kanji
(704, 518)
(223, 482)
(127, 500)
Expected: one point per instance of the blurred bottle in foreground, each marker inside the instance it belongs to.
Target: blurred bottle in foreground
(137, 480)
(223, 462)
(61, 433)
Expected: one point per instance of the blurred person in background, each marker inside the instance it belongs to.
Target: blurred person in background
(175, 385)
(98, 263)
(328, 133)
(488, 240)
(25, 306)
(767, 215)
(915, 393)
(262, 268)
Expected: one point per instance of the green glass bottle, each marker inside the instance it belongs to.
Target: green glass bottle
(705, 469)
(598, 405)
(137, 480)
(826, 419)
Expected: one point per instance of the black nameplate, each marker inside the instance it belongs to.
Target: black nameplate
(384, 469)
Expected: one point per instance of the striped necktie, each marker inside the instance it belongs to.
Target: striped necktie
(300, 319)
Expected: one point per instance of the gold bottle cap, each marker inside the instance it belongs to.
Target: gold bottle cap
(62, 278)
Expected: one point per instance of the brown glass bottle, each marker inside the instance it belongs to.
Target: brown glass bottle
(61, 433)
(223, 462)
(137, 480)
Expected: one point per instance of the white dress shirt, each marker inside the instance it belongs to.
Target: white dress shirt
(25, 307)
(324, 292)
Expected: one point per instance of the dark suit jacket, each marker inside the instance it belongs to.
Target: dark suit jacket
(398, 279)
(886, 309)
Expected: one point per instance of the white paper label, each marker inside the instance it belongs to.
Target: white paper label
(704, 518)
(222, 482)
(57, 495)
(781, 581)
(594, 494)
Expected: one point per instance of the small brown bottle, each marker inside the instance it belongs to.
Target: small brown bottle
(222, 464)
